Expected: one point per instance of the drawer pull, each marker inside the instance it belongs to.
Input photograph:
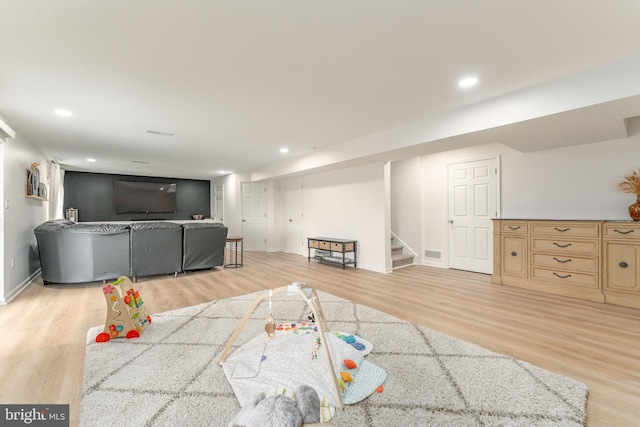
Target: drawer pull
(623, 264)
(622, 232)
(514, 253)
(514, 228)
(561, 261)
(561, 230)
(562, 246)
(562, 277)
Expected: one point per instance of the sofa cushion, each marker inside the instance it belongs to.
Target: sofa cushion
(53, 225)
(156, 248)
(203, 245)
(154, 225)
(83, 252)
(103, 227)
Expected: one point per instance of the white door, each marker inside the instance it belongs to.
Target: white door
(218, 203)
(296, 243)
(254, 216)
(473, 202)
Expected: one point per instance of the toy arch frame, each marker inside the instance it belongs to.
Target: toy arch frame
(314, 304)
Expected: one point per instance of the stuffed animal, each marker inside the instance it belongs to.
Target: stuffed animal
(280, 410)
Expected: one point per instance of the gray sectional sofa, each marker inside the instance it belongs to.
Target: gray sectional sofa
(87, 252)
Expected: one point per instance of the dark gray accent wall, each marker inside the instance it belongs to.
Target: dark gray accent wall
(92, 195)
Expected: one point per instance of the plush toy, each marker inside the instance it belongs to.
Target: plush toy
(280, 410)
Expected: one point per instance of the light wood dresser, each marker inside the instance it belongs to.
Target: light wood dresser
(592, 260)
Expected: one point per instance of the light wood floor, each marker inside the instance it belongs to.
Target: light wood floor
(43, 330)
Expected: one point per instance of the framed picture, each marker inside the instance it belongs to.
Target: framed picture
(42, 190)
(35, 182)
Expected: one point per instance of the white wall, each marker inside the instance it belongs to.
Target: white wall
(406, 202)
(276, 216)
(569, 183)
(232, 201)
(349, 203)
(22, 216)
(2, 209)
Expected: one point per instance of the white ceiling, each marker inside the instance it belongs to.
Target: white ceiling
(236, 80)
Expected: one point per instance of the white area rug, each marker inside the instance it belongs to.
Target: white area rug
(169, 376)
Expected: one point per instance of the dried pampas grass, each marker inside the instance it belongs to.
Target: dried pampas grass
(631, 184)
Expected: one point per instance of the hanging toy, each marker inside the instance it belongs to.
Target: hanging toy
(270, 325)
(316, 348)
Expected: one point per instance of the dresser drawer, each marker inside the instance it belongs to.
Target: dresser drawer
(566, 278)
(568, 229)
(338, 247)
(514, 227)
(626, 231)
(565, 262)
(314, 244)
(561, 246)
(324, 245)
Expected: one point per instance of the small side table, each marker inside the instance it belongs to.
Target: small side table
(233, 247)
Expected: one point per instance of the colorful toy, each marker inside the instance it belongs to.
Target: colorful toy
(346, 376)
(270, 324)
(126, 314)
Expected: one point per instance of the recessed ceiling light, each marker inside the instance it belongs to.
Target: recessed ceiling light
(91, 160)
(468, 82)
(63, 113)
(284, 150)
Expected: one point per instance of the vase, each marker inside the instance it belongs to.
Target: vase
(634, 210)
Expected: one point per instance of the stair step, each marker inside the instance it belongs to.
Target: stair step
(401, 260)
(401, 257)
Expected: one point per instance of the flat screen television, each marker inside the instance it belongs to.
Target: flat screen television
(144, 197)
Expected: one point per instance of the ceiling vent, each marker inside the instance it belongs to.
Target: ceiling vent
(6, 131)
(157, 132)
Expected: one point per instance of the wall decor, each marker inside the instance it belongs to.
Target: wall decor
(42, 190)
(33, 179)
(631, 184)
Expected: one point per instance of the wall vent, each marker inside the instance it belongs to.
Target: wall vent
(432, 254)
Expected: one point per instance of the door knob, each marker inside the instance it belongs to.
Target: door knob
(290, 220)
(450, 221)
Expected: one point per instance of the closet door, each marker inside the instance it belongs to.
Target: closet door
(473, 201)
(254, 216)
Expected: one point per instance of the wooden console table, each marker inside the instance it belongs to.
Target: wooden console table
(326, 248)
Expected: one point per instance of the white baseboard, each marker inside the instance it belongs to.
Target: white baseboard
(14, 293)
(433, 262)
(271, 249)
